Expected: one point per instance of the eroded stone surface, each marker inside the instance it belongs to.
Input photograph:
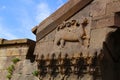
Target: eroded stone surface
(11, 49)
(103, 17)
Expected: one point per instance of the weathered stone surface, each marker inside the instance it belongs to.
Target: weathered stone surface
(106, 21)
(3, 74)
(23, 70)
(11, 49)
(113, 7)
(3, 62)
(98, 8)
(102, 17)
(49, 37)
(98, 36)
(97, 19)
(44, 48)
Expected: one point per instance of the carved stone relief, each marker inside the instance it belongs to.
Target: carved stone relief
(72, 31)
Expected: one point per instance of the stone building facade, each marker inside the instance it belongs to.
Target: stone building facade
(80, 41)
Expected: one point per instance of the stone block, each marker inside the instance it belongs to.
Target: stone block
(3, 62)
(111, 20)
(3, 74)
(3, 52)
(98, 36)
(23, 70)
(44, 48)
(49, 37)
(98, 8)
(113, 7)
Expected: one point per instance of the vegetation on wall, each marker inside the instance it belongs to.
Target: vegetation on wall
(11, 68)
(35, 73)
(15, 60)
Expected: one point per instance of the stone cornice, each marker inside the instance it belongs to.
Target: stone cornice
(15, 42)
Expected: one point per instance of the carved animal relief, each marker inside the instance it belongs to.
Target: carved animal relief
(67, 31)
(72, 31)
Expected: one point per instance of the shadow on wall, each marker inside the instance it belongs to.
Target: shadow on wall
(30, 55)
(110, 65)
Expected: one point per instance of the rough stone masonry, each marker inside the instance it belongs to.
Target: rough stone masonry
(80, 41)
(21, 49)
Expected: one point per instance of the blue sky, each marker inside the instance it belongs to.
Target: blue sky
(18, 17)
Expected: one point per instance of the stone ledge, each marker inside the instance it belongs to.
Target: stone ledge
(34, 30)
(16, 41)
(62, 14)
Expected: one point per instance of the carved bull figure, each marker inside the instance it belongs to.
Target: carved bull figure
(71, 32)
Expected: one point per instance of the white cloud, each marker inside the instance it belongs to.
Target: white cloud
(2, 7)
(26, 24)
(43, 11)
(4, 33)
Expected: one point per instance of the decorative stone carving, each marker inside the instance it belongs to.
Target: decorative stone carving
(72, 31)
(85, 37)
(68, 31)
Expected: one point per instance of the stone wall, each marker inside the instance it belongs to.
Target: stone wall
(23, 50)
(101, 16)
(96, 19)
